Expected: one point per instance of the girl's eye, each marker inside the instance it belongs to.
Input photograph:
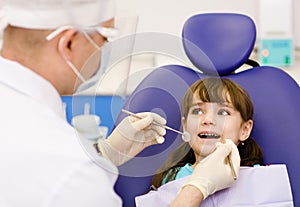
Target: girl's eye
(197, 111)
(223, 112)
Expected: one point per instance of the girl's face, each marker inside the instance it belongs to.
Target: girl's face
(207, 122)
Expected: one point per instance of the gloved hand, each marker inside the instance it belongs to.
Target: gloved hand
(131, 136)
(213, 173)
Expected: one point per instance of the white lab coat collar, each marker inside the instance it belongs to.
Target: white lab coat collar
(29, 83)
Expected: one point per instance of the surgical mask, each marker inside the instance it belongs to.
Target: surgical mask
(105, 54)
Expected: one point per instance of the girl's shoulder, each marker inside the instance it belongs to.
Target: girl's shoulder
(181, 172)
(184, 171)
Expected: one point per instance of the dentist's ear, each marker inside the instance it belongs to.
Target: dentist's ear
(61, 44)
(63, 51)
(65, 44)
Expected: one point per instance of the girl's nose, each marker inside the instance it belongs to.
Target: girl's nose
(208, 119)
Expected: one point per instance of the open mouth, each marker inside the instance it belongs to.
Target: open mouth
(209, 136)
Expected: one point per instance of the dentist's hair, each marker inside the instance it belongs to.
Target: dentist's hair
(214, 90)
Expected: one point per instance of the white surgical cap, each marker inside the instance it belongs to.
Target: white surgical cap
(50, 14)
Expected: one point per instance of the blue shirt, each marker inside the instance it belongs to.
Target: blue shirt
(183, 171)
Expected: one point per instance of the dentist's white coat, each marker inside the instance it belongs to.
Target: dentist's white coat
(42, 163)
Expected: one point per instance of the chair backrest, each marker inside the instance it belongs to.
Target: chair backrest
(217, 44)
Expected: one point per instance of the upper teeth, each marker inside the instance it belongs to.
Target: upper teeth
(209, 135)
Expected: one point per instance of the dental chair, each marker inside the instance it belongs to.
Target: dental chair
(218, 44)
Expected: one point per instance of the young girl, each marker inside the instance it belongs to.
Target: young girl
(213, 108)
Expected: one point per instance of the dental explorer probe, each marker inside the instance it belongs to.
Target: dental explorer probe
(185, 135)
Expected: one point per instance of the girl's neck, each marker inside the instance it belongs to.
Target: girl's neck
(198, 159)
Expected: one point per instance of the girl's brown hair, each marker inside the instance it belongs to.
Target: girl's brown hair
(215, 90)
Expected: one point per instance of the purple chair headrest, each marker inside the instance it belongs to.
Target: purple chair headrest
(218, 43)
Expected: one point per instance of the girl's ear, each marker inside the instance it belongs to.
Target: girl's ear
(246, 130)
